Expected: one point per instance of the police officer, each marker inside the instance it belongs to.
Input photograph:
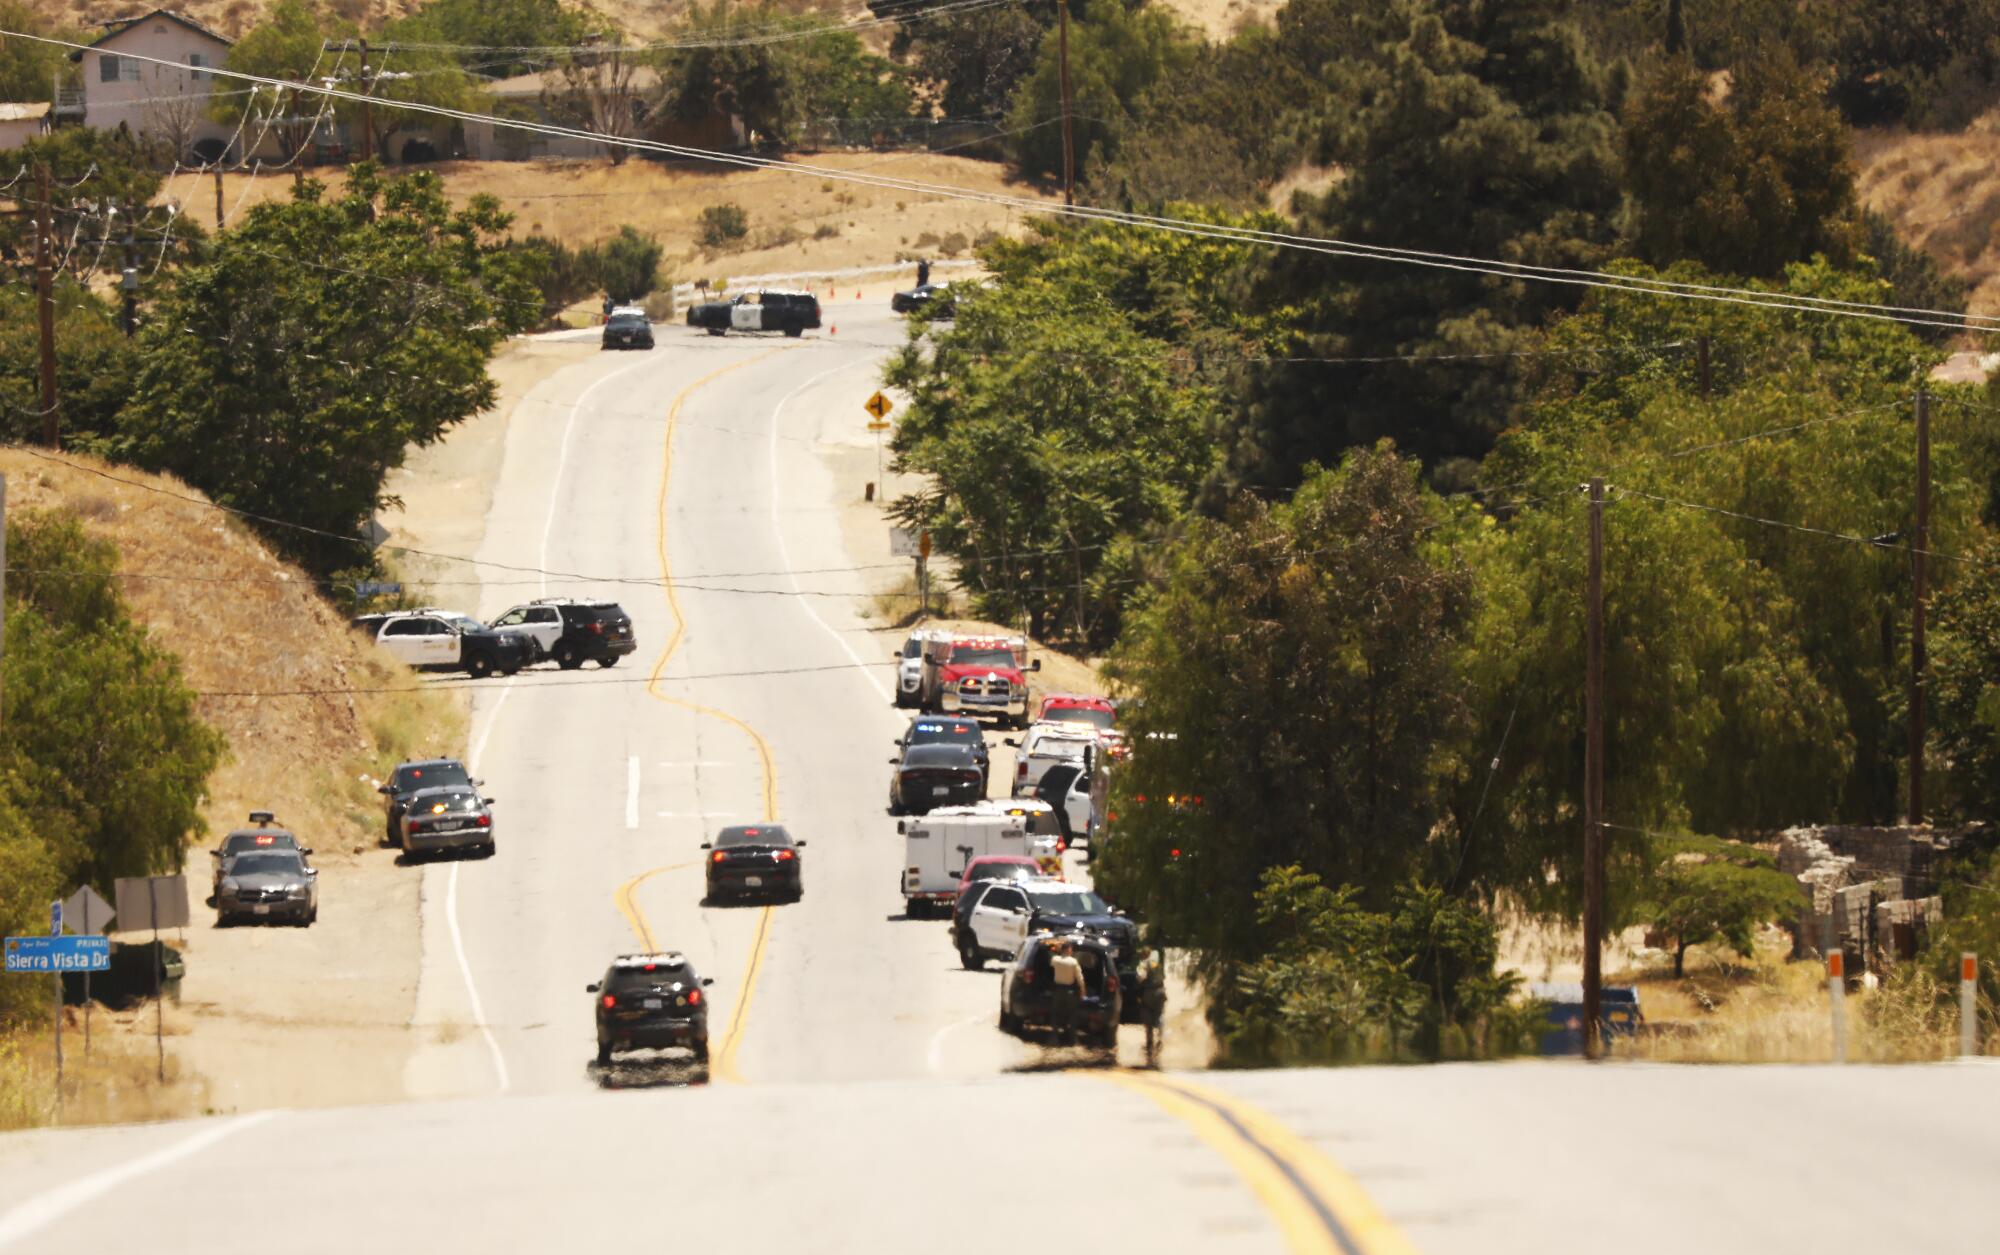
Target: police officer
(1152, 995)
(1065, 990)
(923, 271)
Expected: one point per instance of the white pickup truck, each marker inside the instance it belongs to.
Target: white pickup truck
(937, 846)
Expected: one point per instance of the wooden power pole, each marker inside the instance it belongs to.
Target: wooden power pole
(218, 193)
(45, 311)
(1919, 573)
(1069, 140)
(1593, 785)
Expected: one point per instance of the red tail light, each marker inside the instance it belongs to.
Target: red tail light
(597, 629)
(1111, 983)
(485, 821)
(786, 856)
(718, 857)
(1021, 768)
(1028, 976)
(694, 997)
(610, 1001)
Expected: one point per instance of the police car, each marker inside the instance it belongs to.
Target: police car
(790, 312)
(649, 1002)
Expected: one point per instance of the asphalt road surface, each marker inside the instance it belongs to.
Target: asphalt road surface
(859, 1097)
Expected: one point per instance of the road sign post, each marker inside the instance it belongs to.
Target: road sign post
(1836, 991)
(1968, 1005)
(55, 933)
(87, 913)
(878, 407)
(162, 902)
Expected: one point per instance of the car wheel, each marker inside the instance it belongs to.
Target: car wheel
(716, 331)
(479, 666)
(1108, 1039)
(567, 658)
(603, 1054)
(701, 1051)
(795, 332)
(608, 661)
(969, 956)
(312, 916)
(1010, 1024)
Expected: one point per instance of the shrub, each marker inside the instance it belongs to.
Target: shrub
(826, 231)
(722, 225)
(953, 244)
(660, 305)
(628, 265)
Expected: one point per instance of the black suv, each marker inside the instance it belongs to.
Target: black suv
(938, 774)
(592, 631)
(1026, 990)
(760, 859)
(951, 730)
(650, 1002)
(408, 779)
(627, 330)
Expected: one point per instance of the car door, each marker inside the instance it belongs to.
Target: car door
(1054, 788)
(747, 314)
(440, 643)
(1000, 921)
(544, 625)
(404, 640)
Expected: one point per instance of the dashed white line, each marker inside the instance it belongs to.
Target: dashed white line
(47, 1208)
(632, 791)
(471, 990)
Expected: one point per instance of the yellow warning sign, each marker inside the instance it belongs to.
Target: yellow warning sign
(879, 406)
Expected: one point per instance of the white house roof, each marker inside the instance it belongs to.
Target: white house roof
(23, 111)
(113, 30)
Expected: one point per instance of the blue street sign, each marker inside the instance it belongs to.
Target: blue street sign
(55, 919)
(374, 588)
(58, 954)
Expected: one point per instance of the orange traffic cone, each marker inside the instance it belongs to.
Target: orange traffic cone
(833, 330)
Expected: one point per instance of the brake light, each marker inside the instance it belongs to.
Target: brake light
(610, 1000)
(484, 821)
(719, 856)
(597, 629)
(1021, 768)
(749, 832)
(694, 997)
(263, 840)
(786, 856)
(1111, 983)
(1027, 976)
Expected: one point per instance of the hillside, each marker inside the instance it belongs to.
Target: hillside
(796, 222)
(1942, 191)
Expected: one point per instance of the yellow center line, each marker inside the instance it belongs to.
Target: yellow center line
(724, 1065)
(1316, 1205)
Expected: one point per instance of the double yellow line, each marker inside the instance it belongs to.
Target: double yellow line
(1316, 1206)
(723, 1065)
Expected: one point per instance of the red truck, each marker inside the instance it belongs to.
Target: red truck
(979, 675)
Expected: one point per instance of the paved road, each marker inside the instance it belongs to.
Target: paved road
(707, 459)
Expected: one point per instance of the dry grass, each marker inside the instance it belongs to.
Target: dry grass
(302, 757)
(1219, 19)
(117, 1082)
(582, 202)
(1943, 193)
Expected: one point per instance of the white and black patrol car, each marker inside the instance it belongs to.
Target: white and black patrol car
(790, 312)
(443, 640)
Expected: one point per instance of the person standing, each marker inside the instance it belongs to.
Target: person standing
(1065, 990)
(1152, 995)
(923, 271)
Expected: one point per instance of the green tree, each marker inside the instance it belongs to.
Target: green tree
(289, 386)
(1932, 63)
(287, 44)
(1302, 664)
(28, 70)
(107, 181)
(415, 75)
(563, 274)
(508, 33)
(627, 265)
(1964, 685)
(1702, 890)
(1746, 184)
(94, 365)
(1481, 130)
(1115, 57)
(974, 60)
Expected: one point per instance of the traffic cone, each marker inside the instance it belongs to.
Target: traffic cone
(833, 330)
(857, 296)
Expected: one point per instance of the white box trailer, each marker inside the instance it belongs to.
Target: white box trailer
(937, 846)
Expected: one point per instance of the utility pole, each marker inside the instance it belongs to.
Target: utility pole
(3, 574)
(218, 194)
(1701, 360)
(128, 279)
(367, 89)
(46, 312)
(1069, 141)
(1593, 785)
(1919, 555)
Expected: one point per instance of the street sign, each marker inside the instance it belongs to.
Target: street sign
(154, 902)
(902, 543)
(47, 955)
(55, 919)
(377, 534)
(880, 425)
(878, 406)
(87, 912)
(376, 588)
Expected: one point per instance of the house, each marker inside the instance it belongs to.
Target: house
(526, 97)
(164, 102)
(20, 123)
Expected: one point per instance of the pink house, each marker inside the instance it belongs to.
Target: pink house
(125, 83)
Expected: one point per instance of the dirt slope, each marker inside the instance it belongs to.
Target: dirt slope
(1943, 193)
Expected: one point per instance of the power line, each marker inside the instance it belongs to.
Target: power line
(1760, 298)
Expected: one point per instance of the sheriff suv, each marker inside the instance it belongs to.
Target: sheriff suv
(790, 312)
(650, 1002)
(441, 640)
(572, 632)
(627, 328)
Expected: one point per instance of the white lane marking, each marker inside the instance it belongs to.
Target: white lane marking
(632, 791)
(934, 1058)
(784, 552)
(465, 970)
(47, 1208)
(478, 749)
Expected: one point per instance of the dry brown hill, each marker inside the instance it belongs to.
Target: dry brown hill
(1942, 191)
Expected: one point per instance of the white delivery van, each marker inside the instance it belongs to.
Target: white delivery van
(937, 846)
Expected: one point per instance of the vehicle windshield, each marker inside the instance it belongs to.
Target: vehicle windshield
(266, 863)
(938, 754)
(1081, 714)
(1069, 902)
(762, 834)
(981, 656)
(628, 978)
(463, 622)
(429, 775)
(457, 802)
(626, 321)
(946, 732)
(1059, 747)
(237, 842)
(1003, 871)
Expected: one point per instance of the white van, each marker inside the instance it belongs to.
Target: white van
(937, 846)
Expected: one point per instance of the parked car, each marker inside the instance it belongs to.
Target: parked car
(1045, 745)
(934, 301)
(910, 665)
(1006, 914)
(790, 312)
(405, 781)
(627, 329)
(950, 730)
(938, 774)
(268, 885)
(982, 869)
(938, 847)
(574, 631)
(1097, 714)
(978, 675)
(448, 817)
(754, 860)
(445, 641)
(651, 1002)
(263, 834)
(1027, 990)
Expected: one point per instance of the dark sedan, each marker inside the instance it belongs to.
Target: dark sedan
(932, 300)
(754, 860)
(950, 730)
(628, 331)
(267, 885)
(938, 774)
(452, 817)
(407, 778)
